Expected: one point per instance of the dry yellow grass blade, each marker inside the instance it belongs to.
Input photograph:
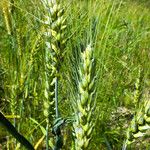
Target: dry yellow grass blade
(39, 142)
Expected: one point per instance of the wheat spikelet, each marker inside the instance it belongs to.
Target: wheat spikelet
(85, 103)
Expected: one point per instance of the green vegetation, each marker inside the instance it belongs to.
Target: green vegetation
(75, 73)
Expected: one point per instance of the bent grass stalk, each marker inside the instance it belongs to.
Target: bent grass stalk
(85, 103)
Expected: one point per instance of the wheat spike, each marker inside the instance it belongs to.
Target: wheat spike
(5, 4)
(54, 33)
(54, 26)
(85, 103)
(140, 124)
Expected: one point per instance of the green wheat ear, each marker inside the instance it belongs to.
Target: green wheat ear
(140, 124)
(85, 103)
(54, 26)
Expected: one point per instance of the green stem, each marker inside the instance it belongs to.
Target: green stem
(47, 137)
(56, 97)
(124, 147)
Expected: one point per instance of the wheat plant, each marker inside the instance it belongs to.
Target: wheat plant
(32, 48)
(54, 36)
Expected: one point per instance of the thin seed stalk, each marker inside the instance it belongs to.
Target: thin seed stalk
(85, 104)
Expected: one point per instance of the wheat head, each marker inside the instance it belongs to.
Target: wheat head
(54, 33)
(85, 103)
(54, 27)
(140, 123)
(6, 8)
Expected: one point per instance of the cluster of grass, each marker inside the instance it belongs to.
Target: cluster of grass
(100, 96)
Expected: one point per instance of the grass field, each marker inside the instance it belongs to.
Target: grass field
(79, 66)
